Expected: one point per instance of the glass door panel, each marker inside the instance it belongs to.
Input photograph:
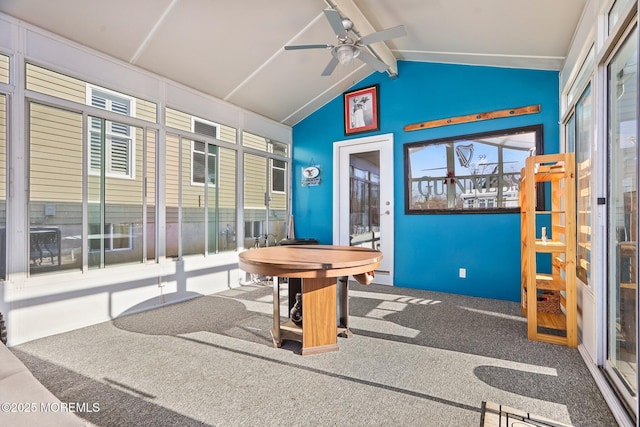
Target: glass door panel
(364, 206)
(583, 144)
(622, 219)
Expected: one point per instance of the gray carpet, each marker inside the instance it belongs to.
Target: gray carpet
(417, 358)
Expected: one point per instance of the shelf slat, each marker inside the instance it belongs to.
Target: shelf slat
(552, 321)
(548, 282)
(550, 246)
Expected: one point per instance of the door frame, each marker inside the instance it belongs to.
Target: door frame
(384, 144)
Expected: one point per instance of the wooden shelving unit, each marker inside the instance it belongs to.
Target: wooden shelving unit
(549, 298)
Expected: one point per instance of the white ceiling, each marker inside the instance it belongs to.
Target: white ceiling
(233, 50)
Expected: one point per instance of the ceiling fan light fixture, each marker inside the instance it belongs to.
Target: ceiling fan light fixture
(351, 45)
(345, 54)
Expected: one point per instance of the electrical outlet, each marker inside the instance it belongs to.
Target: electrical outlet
(462, 273)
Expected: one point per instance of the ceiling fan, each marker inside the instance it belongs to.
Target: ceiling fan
(350, 45)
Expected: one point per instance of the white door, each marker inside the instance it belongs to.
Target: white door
(363, 197)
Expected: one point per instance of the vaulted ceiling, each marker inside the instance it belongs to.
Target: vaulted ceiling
(234, 50)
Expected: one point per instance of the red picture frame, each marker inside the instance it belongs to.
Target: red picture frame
(361, 110)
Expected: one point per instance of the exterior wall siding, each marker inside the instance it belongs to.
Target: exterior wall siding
(255, 181)
(55, 84)
(172, 180)
(3, 153)
(4, 69)
(278, 201)
(55, 154)
(61, 86)
(227, 183)
(254, 141)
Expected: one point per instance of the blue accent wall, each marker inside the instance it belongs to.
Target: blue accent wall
(429, 249)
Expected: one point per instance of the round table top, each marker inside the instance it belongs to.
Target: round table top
(307, 261)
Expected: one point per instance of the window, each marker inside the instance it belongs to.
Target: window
(52, 83)
(178, 120)
(203, 170)
(622, 217)
(264, 144)
(115, 237)
(55, 187)
(470, 173)
(266, 188)
(252, 229)
(199, 218)
(199, 165)
(118, 139)
(579, 137)
(580, 140)
(278, 176)
(615, 13)
(584, 75)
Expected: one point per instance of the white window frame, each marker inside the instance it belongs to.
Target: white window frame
(212, 157)
(284, 175)
(108, 239)
(250, 228)
(216, 126)
(109, 135)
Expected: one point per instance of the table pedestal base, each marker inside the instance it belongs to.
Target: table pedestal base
(319, 330)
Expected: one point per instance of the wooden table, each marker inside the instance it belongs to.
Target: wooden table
(318, 267)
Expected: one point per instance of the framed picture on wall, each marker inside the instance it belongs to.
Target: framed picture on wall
(361, 110)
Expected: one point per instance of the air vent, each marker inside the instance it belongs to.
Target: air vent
(205, 129)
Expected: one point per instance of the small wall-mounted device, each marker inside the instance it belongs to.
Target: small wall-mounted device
(49, 209)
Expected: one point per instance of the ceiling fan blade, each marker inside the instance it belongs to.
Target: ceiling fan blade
(335, 20)
(308, 46)
(330, 67)
(380, 36)
(372, 61)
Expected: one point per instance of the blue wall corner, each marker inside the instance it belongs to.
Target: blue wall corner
(431, 248)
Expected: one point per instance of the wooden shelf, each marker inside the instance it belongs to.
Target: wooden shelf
(550, 246)
(549, 282)
(291, 328)
(548, 212)
(549, 298)
(556, 321)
